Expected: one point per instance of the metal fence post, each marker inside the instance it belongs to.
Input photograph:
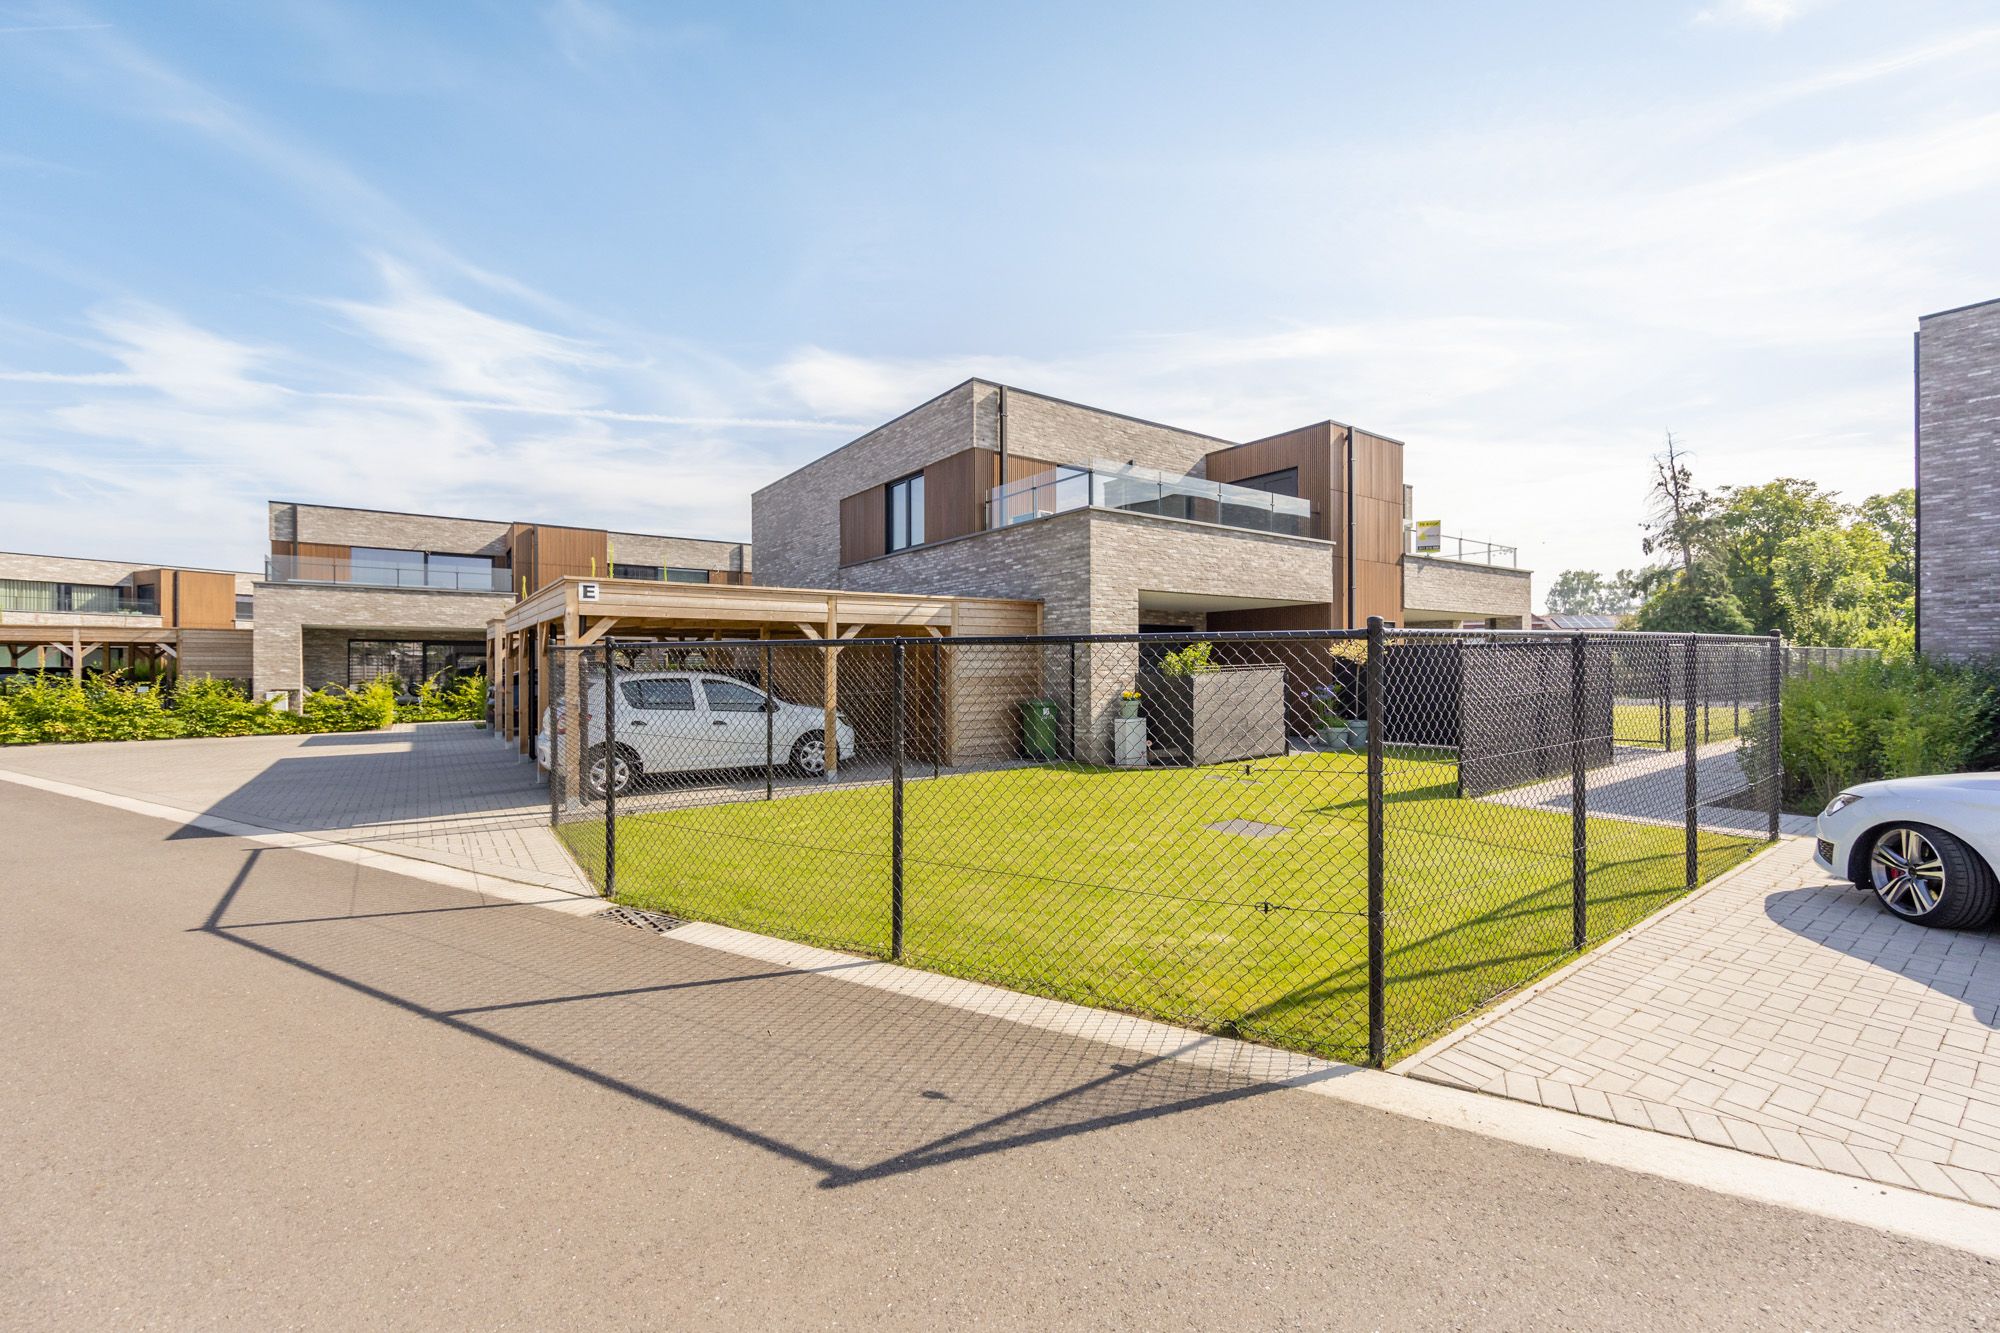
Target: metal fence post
(1378, 1043)
(1072, 700)
(770, 723)
(610, 775)
(1775, 682)
(896, 813)
(1690, 792)
(937, 706)
(1579, 861)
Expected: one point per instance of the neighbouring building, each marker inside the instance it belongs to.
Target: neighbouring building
(349, 595)
(1958, 481)
(1118, 525)
(60, 613)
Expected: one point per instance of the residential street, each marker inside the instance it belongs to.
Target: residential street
(262, 1088)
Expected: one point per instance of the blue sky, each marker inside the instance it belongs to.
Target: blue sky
(621, 264)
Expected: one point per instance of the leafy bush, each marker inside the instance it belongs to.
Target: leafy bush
(463, 701)
(210, 707)
(366, 707)
(50, 707)
(1193, 660)
(1890, 718)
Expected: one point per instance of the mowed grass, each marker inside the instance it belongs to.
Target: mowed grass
(1638, 724)
(1108, 887)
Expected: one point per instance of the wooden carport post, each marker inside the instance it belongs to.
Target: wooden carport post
(830, 676)
(570, 755)
(76, 655)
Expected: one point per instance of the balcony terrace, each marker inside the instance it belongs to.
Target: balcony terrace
(1140, 490)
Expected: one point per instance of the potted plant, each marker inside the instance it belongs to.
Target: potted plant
(1128, 703)
(1336, 725)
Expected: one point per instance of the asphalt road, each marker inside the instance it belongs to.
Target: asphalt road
(260, 1088)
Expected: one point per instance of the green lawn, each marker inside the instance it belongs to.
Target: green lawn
(1638, 724)
(1106, 888)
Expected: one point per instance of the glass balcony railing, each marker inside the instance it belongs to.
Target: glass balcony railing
(1140, 490)
(1465, 550)
(75, 599)
(325, 569)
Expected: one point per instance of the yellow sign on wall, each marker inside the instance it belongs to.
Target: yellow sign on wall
(1430, 535)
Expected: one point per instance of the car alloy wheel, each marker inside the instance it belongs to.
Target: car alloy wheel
(809, 755)
(1907, 872)
(620, 774)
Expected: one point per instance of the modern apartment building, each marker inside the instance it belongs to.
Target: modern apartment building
(352, 594)
(1118, 525)
(1958, 481)
(60, 613)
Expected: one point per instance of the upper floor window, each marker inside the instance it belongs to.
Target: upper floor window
(687, 576)
(243, 601)
(1275, 483)
(906, 512)
(619, 571)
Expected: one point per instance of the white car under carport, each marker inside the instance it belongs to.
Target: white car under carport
(692, 721)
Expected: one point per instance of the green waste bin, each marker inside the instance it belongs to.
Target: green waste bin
(1039, 729)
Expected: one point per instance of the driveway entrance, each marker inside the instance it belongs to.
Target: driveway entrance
(1778, 1011)
(445, 792)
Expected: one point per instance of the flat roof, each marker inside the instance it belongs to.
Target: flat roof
(142, 564)
(524, 522)
(643, 601)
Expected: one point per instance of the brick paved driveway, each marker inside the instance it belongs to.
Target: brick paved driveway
(445, 792)
(1777, 1011)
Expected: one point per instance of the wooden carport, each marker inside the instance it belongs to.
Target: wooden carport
(76, 641)
(580, 611)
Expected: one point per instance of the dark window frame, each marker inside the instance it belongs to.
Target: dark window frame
(905, 496)
(1261, 481)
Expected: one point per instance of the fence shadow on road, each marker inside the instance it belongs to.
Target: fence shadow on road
(853, 1083)
(1958, 964)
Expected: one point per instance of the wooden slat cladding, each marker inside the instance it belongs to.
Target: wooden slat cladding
(541, 554)
(203, 600)
(955, 491)
(1378, 528)
(1309, 449)
(864, 525)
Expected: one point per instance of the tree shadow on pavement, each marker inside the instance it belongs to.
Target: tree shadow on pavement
(852, 1082)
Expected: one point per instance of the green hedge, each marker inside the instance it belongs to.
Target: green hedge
(48, 708)
(1885, 719)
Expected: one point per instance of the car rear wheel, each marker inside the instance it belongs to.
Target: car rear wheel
(1925, 875)
(809, 754)
(615, 771)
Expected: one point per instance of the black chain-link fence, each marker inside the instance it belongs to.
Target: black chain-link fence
(1342, 841)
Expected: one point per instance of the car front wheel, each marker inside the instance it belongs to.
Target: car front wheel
(614, 771)
(1925, 875)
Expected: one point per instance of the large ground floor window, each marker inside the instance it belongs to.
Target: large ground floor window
(410, 662)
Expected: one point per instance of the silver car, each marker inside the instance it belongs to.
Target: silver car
(692, 721)
(1925, 846)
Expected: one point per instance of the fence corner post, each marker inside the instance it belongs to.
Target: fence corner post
(896, 810)
(610, 774)
(1690, 787)
(1377, 932)
(1776, 737)
(1579, 863)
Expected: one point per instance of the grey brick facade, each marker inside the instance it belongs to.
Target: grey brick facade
(301, 632)
(1447, 592)
(1958, 482)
